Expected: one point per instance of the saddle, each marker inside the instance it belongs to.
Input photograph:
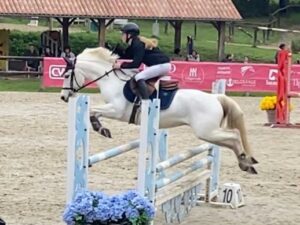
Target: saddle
(166, 93)
(167, 85)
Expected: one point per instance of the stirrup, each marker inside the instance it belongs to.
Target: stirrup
(136, 105)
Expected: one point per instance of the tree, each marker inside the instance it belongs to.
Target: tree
(252, 8)
(282, 4)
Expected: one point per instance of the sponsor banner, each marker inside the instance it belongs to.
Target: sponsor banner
(200, 75)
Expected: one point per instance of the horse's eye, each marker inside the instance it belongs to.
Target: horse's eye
(67, 76)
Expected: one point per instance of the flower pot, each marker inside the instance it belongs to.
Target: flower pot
(271, 114)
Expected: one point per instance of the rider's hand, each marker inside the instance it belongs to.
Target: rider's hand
(116, 65)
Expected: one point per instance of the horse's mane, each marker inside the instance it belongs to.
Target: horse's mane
(99, 53)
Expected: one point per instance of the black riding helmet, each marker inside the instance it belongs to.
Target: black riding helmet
(131, 28)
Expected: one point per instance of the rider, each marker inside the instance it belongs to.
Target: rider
(143, 50)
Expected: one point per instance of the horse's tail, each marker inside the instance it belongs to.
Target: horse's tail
(234, 119)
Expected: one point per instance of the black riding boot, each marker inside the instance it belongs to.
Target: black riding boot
(143, 89)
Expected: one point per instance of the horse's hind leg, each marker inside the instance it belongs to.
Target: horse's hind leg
(230, 139)
(95, 115)
(98, 127)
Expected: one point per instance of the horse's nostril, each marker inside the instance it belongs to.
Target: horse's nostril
(62, 98)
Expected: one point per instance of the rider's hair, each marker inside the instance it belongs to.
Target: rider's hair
(150, 43)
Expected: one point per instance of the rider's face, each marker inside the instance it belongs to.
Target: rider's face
(124, 37)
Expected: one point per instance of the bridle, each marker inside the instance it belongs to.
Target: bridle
(73, 78)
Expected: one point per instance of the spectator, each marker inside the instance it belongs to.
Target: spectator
(228, 58)
(68, 53)
(281, 47)
(246, 60)
(189, 45)
(47, 52)
(298, 61)
(194, 56)
(32, 64)
(177, 53)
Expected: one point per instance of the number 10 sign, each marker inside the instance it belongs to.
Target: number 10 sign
(231, 194)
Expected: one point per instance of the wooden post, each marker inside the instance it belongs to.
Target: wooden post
(278, 21)
(101, 32)
(65, 28)
(195, 30)
(268, 32)
(231, 31)
(177, 37)
(255, 38)
(65, 23)
(166, 27)
(50, 23)
(221, 26)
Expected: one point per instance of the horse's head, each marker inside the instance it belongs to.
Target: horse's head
(91, 64)
(72, 80)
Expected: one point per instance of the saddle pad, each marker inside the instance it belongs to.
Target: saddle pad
(166, 96)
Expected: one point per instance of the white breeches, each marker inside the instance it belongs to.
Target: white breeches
(154, 71)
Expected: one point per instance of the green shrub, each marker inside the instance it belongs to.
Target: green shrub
(296, 45)
(19, 41)
(82, 40)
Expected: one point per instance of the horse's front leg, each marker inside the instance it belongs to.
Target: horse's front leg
(107, 111)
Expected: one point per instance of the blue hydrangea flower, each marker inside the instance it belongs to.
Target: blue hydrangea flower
(81, 206)
(129, 195)
(119, 205)
(103, 210)
(150, 211)
(132, 213)
(139, 202)
(68, 215)
(96, 207)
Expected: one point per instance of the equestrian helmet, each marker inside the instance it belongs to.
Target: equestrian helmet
(131, 28)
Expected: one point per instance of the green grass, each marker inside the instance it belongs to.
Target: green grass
(31, 85)
(28, 85)
(34, 85)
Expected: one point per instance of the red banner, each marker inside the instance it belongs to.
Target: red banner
(200, 75)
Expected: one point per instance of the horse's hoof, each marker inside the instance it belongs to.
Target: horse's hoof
(253, 160)
(252, 170)
(246, 159)
(105, 132)
(247, 168)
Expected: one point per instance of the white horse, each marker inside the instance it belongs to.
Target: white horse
(214, 118)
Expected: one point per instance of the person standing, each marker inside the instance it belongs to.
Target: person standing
(68, 53)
